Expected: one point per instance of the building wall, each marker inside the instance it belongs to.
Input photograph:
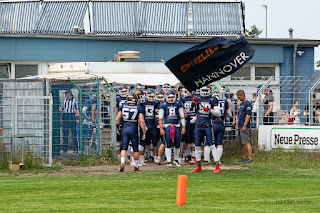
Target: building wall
(304, 67)
(60, 49)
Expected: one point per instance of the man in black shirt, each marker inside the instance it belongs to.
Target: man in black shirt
(268, 107)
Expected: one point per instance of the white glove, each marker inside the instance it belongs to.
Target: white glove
(143, 137)
(193, 120)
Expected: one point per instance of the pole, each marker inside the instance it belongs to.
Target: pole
(265, 6)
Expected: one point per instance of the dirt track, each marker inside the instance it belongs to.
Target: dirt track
(106, 170)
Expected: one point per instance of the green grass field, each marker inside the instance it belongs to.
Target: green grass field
(263, 187)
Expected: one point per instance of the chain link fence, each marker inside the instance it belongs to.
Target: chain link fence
(65, 117)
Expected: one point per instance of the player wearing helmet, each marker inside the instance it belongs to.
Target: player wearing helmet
(138, 86)
(159, 87)
(218, 129)
(206, 107)
(165, 88)
(140, 95)
(132, 115)
(188, 138)
(170, 113)
(122, 95)
(150, 107)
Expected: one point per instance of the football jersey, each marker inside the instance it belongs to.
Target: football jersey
(204, 118)
(171, 112)
(223, 106)
(150, 112)
(130, 113)
(120, 101)
(186, 102)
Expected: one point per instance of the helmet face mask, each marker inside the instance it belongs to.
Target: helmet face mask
(185, 92)
(160, 97)
(150, 97)
(123, 91)
(171, 97)
(204, 92)
(165, 88)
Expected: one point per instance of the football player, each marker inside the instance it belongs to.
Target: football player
(150, 107)
(206, 108)
(132, 116)
(138, 86)
(170, 112)
(122, 96)
(218, 129)
(165, 88)
(188, 138)
(159, 98)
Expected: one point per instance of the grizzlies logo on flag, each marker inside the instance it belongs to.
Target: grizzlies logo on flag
(210, 61)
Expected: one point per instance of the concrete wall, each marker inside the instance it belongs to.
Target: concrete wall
(289, 137)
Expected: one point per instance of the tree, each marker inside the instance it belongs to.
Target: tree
(254, 32)
(318, 63)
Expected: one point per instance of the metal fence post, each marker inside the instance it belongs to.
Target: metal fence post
(311, 90)
(113, 119)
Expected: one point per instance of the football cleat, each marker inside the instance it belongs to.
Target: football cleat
(169, 164)
(142, 162)
(157, 161)
(176, 162)
(193, 161)
(198, 169)
(136, 169)
(122, 167)
(133, 164)
(217, 169)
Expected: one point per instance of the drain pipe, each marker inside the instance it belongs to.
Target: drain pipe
(294, 70)
(294, 57)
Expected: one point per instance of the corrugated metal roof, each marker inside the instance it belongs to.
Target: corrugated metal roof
(60, 17)
(163, 18)
(214, 18)
(115, 17)
(18, 17)
(123, 17)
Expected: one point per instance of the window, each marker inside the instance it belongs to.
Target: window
(26, 70)
(262, 72)
(4, 71)
(242, 74)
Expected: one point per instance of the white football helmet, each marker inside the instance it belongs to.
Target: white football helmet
(205, 92)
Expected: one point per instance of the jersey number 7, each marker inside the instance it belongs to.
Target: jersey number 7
(126, 113)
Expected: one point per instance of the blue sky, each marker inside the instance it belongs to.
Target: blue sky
(302, 16)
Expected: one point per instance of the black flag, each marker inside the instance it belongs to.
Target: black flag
(210, 61)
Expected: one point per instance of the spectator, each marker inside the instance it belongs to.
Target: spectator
(284, 118)
(69, 117)
(87, 124)
(315, 112)
(295, 113)
(268, 102)
(255, 107)
(243, 124)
